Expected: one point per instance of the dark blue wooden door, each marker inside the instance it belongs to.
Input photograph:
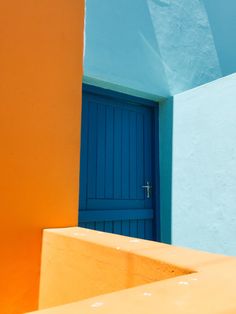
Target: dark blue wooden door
(116, 162)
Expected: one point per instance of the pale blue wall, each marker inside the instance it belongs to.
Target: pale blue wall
(158, 47)
(154, 48)
(204, 167)
(222, 17)
(121, 46)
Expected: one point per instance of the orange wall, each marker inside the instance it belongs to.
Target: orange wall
(41, 43)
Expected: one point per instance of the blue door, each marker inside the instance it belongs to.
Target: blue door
(116, 171)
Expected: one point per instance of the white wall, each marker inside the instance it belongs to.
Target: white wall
(204, 167)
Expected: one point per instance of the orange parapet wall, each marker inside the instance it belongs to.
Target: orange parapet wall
(80, 263)
(40, 107)
(87, 271)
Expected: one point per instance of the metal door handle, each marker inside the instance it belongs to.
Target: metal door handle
(148, 188)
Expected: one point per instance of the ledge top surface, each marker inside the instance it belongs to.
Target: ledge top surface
(211, 288)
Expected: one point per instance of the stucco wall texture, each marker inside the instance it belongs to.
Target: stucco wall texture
(40, 106)
(159, 47)
(204, 167)
(222, 18)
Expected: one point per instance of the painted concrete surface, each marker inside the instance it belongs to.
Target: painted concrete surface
(155, 46)
(40, 107)
(204, 167)
(78, 262)
(222, 18)
(165, 167)
(185, 43)
(121, 47)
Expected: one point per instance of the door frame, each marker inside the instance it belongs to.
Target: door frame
(86, 88)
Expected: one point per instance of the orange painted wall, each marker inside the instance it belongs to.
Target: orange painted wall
(41, 46)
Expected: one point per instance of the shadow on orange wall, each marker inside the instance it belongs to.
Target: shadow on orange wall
(40, 110)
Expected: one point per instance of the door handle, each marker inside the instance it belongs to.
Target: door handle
(148, 188)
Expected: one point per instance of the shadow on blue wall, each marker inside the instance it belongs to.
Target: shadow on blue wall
(165, 149)
(222, 18)
(160, 47)
(121, 46)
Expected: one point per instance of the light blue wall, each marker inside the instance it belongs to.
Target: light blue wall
(204, 167)
(121, 46)
(165, 168)
(222, 17)
(157, 47)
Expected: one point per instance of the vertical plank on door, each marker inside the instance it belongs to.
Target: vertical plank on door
(90, 225)
(101, 148)
(92, 151)
(84, 155)
(141, 230)
(125, 154)
(117, 228)
(108, 226)
(99, 226)
(117, 153)
(125, 228)
(140, 157)
(133, 228)
(109, 182)
(133, 155)
(149, 229)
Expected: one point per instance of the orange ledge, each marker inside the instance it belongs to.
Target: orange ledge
(88, 270)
